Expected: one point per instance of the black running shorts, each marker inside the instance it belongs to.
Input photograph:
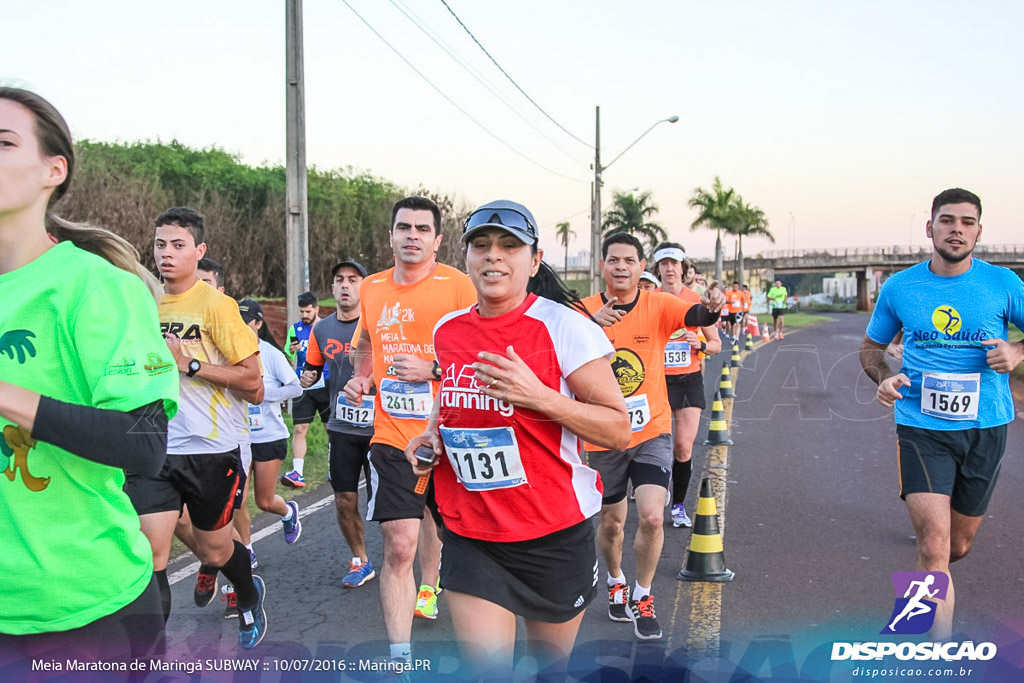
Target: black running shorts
(686, 391)
(313, 402)
(393, 485)
(270, 451)
(346, 458)
(206, 482)
(962, 464)
(549, 579)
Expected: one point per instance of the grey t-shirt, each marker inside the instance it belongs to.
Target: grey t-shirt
(333, 340)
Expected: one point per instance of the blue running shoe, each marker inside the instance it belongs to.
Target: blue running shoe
(358, 574)
(252, 622)
(292, 527)
(293, 480)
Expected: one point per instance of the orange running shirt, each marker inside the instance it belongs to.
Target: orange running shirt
(734, 300)
(680, 357)
(400, 320)
(747, 296)
(639, 362)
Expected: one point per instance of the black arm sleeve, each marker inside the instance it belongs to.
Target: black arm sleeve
(700, 316)
(135, 441)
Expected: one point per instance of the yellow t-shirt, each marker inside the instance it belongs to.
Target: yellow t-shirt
(211, 330)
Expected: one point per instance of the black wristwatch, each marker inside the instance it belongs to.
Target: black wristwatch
(703, 347)
(437, 371)
(193, 367)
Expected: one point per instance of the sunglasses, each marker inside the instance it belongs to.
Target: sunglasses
(508, 218)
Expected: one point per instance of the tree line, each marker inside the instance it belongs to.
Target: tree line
(124, 186)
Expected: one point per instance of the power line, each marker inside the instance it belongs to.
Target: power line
(451, 101)
(511, 80)
(421, 25)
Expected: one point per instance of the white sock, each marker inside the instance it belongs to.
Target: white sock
(401, 651)
(297, 464)
(288, 516)
(249, 547)
(639, 592)
(612, 580)
(357, 562)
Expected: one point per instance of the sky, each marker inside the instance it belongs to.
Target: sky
(840, 120)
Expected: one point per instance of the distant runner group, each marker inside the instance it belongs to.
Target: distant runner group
(492, 414)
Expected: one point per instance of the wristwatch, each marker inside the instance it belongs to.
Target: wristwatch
(703, 347)
(437, 371)
(193, 367)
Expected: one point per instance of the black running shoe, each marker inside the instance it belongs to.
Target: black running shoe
(618, 602)
(645, 624)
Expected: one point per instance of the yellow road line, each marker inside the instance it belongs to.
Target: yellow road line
(702, 600)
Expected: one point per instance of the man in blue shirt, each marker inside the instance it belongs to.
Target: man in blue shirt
(952, 395)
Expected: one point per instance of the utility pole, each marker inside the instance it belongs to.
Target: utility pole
(596, 281)
(296, 217)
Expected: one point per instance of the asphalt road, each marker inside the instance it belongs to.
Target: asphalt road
(812, 526)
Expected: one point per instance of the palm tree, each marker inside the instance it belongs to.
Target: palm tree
(564, 234)
(714, 207)
(631, 214)
(749, 220)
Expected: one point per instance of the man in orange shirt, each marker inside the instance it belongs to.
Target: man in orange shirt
(399, 308)
(734, 302)
(683, 375)
(639, 324)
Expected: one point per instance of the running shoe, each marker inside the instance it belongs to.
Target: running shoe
(293, 480)
(358, 574)
(426, 603)
(645, 624)
(292, 527)
(618, 600)
(228, 595)
(252, 622)
(679, 517)
(206, 585)
(252, 558)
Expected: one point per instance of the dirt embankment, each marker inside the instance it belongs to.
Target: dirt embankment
(275, 317)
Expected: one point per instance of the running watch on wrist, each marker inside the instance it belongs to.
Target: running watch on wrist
(193, 367)
(703, 347)
(437, 371)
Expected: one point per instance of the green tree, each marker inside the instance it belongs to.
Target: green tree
(746, 220)
(714, 211)
(631, 214)
(564, 234)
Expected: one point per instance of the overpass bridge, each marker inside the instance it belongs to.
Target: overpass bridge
(870, 264)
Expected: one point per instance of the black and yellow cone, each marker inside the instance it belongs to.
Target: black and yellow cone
(706, 559)
(750, 344)
(735, 361)
(718, 431)
(725, 386)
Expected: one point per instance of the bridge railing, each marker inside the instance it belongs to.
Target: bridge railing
(896, 249)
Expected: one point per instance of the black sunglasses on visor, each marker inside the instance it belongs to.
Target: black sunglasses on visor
(512, 220)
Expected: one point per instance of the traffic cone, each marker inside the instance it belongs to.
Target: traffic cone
(706, 559)
(735, 361)
(718, 431)
(750, 343)
(752, 328)
(764, 334)
(725, 386)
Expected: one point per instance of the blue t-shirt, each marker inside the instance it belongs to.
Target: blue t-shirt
(301, 331)
(943, 320)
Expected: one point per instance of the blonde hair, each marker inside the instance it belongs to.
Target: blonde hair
(100, 241)
(55, 140)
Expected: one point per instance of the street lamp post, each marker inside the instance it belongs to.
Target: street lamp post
(595, 213)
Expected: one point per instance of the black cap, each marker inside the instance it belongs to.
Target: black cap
(250, 310)
(354, 265)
